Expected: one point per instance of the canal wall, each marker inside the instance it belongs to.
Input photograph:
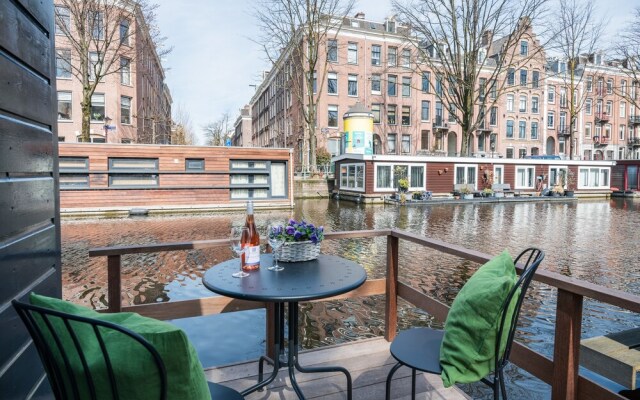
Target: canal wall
(312, 188)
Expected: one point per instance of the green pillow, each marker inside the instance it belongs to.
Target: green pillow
(467, 353)
(185, 375)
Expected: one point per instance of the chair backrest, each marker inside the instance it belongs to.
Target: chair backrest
(530, 259)
(74, 351)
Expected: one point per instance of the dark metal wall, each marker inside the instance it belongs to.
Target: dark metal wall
(29, 201)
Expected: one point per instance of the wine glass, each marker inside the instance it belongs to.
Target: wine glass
(235, 239)
(276, 240)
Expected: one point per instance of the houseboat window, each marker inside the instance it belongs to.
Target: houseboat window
(556, 174)
(278, 179)
(248, 164)
(133, 164)
(74, 181)
(133, 180)
(388, 175)
(498, 174)
(525, 177)
(237, 194)
(352, 176)
(466, 174)
(249, 179)
(593, 178)
(74, 172)
(417, 177)
(383, 177)
(194, 164)
(132, 172)
(257, 179)
(73, 164)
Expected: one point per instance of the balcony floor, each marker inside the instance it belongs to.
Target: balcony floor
(368, 361)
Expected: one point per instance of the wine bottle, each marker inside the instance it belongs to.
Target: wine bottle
(250, 242)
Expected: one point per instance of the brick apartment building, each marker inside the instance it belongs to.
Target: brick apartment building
(130, 106)
(372, 63)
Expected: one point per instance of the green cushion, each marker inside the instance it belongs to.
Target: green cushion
(467, 353)
(136, 377)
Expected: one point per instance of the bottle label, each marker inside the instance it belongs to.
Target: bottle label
(252, 255)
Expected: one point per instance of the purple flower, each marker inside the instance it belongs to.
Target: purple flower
(297, 235)
(311, 226)
(290, 230)
(314, 238)
(292, 222)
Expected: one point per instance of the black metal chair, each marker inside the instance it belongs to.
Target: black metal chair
(419, 349)
(56, 337)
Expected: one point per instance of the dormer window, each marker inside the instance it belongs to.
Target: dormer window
(391, 26)
(524, 48)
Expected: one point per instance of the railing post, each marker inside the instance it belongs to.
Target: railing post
(566, 348)
(271, 329)
(114, 283)
(391, 303)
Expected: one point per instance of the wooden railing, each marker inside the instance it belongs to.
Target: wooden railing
(561, 372)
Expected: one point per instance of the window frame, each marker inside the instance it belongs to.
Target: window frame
(589, 184)
(465, 180)
(70, 104)
(392, 179)
(531, 175)
(123, 108)
(344, 180)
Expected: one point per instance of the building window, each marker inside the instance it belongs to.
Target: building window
(588, 106)
(609, 86)
(332, 50)
(391, 143)
(511, 76)
(524, 48)
(63, 63)
(510, 102)
(482, 88)
(124, 32)
(392, 56)
(375, 110)
(622, 130)
(509, 129)
(352, 85)
(375, 54)
(63, 20)
(406, 115)
(95, 20)
(375, 84)
(523, 104)
(333, 116)
(97, 107)
(452, 113)
(493, 116)
(535, 79)
(522, 130)
(534, 131)
(95, 65)
(523, 77)
(535, 108)
(352, 53)
(332, 83)
(563, 98)
(406, 86)
(525, 177)
(315, 84)
(439, 85)
(589, 84)
(391, 114)
(194, 164)
(522, 153)
(587, 131)
(125, 110)
(509, 152)
(609, 109)
(64, 106)
(125, 71)
(623, 109)
(550, 120)
(133, 172)
(551, 94)
(406, 144)
(391, 85)
(563, 121)
(493, 90)
(61, 139)
(424, 140)
(426, 82)
(406, 58)
(352, 176)
(425, 110)
(593, 178)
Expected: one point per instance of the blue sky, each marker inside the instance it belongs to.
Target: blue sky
(214, 59)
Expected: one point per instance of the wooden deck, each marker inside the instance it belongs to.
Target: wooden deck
(368, 361)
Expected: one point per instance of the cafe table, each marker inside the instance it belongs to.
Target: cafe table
(324, 277)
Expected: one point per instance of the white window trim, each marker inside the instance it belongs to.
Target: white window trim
(529, 167)
(455, 173)
(392, 165)
(364, 177)
(607, 186)
(496, 167)
(557, 167)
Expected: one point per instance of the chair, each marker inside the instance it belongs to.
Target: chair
(56, 336)
(419, 349)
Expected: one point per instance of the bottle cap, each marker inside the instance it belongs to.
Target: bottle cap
(250, 207)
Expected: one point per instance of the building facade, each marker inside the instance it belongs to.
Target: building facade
(372, 63)
(131, 105)
(242, 129)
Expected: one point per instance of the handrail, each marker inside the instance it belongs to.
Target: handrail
(561, 372)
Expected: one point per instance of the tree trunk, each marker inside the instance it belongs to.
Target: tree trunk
(86, 118)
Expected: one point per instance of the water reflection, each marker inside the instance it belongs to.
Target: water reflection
(589, 240)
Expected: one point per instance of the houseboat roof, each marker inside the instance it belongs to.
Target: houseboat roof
(469, 160)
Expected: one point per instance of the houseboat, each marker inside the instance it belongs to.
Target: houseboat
(625, 179)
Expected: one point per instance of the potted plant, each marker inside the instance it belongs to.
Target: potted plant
(487, 192)
(403, 185)
(466, 192)
(568, 180)
(301, 241)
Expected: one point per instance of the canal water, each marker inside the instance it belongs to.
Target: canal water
(595, 241)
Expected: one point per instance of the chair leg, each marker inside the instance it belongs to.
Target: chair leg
(388, 386)
(413, 384)
(503, 386)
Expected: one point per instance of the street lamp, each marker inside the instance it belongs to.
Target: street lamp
(106, 128)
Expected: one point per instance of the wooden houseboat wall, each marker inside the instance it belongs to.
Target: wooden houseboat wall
(120, 177)
(625, 177)
(357, 176)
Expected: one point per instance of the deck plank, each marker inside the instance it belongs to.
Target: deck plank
(368, 361)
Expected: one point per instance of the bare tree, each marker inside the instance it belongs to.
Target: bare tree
(183, 128)
(100, 41)
(217, 132)
(575, 32)
(294, 31)
(455, 40)
(628, 50)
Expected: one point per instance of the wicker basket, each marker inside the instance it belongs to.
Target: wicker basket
(298, 251)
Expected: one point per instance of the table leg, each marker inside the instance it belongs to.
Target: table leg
(292, 358)
(279, 348)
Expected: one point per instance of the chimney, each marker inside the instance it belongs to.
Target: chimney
(487, 37)
(359, 15)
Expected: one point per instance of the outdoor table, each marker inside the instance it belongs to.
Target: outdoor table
(326, 276)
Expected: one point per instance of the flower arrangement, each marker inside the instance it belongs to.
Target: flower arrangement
(403, 184)
(300, 231)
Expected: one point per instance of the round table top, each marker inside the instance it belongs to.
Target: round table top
(326, 276)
